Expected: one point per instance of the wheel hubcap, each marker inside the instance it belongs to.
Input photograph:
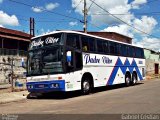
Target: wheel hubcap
(127, 80)
(134, 80)
(86, 86)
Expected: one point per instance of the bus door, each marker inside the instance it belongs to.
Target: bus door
(73, 60)
(74, 69)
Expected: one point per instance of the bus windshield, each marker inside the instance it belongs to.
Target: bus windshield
(45, 56)
(45, 61)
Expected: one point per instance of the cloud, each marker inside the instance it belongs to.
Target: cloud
(37, 9)
(73, 23)
(1, 1)
(146, 24)
(51, 6)
(150, 43)
(42, 31)
(136, 3)
(122, 29)
(8, 20)
(1, 26)
(99, 16)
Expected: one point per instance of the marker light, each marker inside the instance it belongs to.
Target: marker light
(55, 85)
(59, 78)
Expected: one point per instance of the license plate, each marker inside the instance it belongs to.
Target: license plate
(41, 86)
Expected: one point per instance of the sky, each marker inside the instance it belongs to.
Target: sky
(138, 19)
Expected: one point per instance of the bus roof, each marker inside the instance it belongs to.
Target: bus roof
(81, 33)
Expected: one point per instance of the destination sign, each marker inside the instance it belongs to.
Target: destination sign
(40, 43)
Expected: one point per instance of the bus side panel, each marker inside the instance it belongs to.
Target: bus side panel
(73, 81)
(113, 69)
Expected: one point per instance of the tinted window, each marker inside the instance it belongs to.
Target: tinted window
(112, 47)
(78, 60)
(100, 46)
(91, 42)
(130, 51)
(85, 45)
(105, 46)
(120, 49)
(123, 50)
(88, 43)
(134, 52)
(73, 41)
(142, 53)
(117, 48)
(139, 53)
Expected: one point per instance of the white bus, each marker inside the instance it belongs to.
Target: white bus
(69, 61)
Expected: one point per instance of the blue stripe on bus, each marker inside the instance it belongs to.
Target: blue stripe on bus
(123, 68)
(113, 73)
(47, 86)
(137, 70)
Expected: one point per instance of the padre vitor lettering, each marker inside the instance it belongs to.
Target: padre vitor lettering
(37, 43)
(50, 40)
(89, 59)
(106, 60)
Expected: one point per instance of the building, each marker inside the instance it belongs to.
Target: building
(13, 42)
(13, 47)
(152, 62)
(113, 35)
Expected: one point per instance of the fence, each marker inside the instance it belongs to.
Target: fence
(4, 51)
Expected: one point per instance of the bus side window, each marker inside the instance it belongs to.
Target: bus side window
(91, 43)
(78, 60)
(112, 47)
(105, 45)
(134, 53)
(139, 53)
(124, 50)
(84, 43)
(73, 41)
(120, 50)
(131, 52)
(117, 48)
(100, 46)
(142, 53)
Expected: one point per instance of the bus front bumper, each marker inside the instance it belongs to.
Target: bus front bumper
(46, 86)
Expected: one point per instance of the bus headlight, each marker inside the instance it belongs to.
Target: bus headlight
(55, 85)
(30, 86)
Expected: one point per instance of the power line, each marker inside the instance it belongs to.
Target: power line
(151, 1)
(150, 13)
(45, 10)
(46, 21)
(78, 4)
(50, 12)
(122, 20)
(90, 6)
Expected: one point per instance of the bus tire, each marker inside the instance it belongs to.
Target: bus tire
(30, 96)
(127, 79)
(134, 79)
(86, 86)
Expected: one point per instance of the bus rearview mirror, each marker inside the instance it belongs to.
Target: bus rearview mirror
(69, 56)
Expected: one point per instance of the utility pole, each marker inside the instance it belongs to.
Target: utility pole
(32, 27)
(12, 82)
(85, 17)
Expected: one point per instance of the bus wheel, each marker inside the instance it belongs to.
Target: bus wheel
(86, 86)
(134, 79)
(127, 80)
